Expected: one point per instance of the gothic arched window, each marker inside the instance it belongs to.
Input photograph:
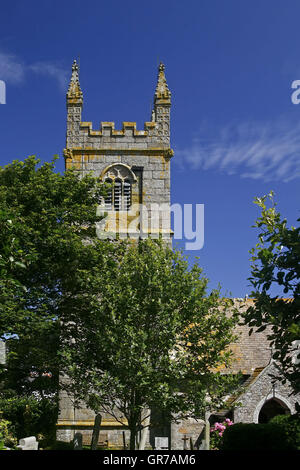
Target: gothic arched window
(121, 178)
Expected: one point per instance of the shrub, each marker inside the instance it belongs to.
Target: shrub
(6, 436)
(216, 433)
(243, 436)
(291, 427)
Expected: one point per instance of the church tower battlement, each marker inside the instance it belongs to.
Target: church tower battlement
(136, 162)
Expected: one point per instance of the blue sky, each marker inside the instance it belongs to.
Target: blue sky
(229, 66)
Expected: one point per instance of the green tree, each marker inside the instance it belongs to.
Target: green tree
(276, 263)
(11, 257)
(140, 332)
(45, 217)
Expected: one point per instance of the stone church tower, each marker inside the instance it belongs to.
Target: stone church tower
(136, 163)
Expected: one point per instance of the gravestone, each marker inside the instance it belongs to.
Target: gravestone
(28, 443)
(161, 443)
(96, 431)
(2, 352)
(207, 430)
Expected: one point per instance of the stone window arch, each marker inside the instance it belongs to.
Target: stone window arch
(271, 408)
(121, 178)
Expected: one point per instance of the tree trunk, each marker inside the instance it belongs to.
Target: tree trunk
(132, 438)
(133, 420)
(144, 431)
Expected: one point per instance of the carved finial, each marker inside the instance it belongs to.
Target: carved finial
(74, 66)
(162, 92)
(74, 94)
(68, 154)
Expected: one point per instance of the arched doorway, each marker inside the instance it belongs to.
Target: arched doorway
(271, 408)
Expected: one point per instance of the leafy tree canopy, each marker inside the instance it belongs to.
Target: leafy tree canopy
(44, 218)
(276, 263)
(141, 332)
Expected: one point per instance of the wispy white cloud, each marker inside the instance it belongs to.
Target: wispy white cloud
(267, 151)
(12, 69)
(15, 71)
(51, 70)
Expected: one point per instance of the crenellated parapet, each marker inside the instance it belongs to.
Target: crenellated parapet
(128, 128)
(82, 134)
(152, 136)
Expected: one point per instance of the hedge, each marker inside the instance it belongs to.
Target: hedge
(291, 427)
(252, 437)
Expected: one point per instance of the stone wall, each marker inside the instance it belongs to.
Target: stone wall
(185, 431)
(259, 390)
